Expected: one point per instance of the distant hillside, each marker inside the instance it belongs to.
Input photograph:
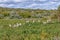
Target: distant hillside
(26, 13)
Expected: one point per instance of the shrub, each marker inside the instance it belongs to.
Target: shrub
(14, 15)
(1, 16)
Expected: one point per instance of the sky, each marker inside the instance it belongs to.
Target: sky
(33, 4)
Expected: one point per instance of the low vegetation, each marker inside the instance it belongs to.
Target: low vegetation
(29, 30)
(29, 24)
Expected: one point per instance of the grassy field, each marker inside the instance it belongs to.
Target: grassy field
(28, 30)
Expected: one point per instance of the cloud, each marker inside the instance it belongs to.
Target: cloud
(3, 0)
(47, 5)
(42, 0)
(42, 4)
(19, 0)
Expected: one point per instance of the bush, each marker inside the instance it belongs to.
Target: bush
(1, 16)
(14, 15)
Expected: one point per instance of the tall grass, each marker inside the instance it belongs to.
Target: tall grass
(29, 31)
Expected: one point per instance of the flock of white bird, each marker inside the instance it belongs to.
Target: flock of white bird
(27, 21)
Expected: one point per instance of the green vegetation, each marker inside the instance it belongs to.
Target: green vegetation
(29, 31)
(29, 24)
(25, 13)
(58, 14)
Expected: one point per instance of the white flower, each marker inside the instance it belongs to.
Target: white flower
(44, 22)
(20, 24)
(38, 20)
(14, 25)
(10, 25)
(27, 21)
(33, 21)
(49, 20)
(17, 24)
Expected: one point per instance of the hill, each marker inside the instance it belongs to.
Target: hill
(26, 13)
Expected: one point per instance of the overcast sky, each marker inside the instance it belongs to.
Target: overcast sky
(41, 4)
